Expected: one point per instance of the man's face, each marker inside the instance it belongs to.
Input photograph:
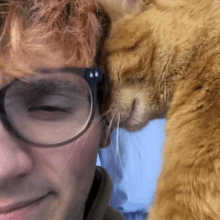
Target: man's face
(49, 183)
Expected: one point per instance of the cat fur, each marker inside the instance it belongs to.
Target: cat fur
(165, 62)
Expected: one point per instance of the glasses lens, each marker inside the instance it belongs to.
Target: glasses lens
(49, 109)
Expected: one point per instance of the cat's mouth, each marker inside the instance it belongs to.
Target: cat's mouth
(119, 116)
(133, 121)
(128, 118)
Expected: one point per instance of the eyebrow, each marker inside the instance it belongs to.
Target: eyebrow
(48, 85)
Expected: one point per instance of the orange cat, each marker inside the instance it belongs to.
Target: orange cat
(165, 62)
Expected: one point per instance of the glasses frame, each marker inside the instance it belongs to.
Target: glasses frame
(94, 78)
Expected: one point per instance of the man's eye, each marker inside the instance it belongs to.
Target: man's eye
(47, 108)
(48, 112)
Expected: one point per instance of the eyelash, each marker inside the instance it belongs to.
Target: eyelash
(47, 108)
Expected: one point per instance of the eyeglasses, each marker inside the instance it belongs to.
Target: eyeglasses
(53, 108)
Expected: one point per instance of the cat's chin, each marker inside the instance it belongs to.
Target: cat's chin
(134, 127)
(132, 117)
(138, 121)
(131, 122)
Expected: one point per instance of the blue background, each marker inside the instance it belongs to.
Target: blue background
(134, 161)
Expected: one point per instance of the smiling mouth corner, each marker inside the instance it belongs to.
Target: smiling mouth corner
(20, 205)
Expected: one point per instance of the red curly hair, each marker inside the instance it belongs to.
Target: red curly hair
(48, 33)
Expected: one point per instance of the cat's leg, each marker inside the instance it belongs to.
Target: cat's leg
(189, 185)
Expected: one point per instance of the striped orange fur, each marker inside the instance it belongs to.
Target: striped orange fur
(165, 62)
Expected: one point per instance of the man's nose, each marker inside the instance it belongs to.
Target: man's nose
(15, 159)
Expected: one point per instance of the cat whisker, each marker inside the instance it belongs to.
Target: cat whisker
(98, 119)
(107, 112)
(67, 161)
(84, 141)
(137, 148)
(117, 137)
(117, 150)
(110, 126)
(101, 117)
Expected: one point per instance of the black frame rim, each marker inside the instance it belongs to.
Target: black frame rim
(93, 77)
